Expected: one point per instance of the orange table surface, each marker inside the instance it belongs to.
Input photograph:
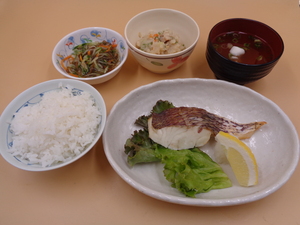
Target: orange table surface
(89, 191)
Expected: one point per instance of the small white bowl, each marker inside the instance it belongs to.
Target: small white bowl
(33, 96)
(157, 20)
(65, 47)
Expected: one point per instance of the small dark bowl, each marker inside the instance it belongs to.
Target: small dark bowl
(236, 72)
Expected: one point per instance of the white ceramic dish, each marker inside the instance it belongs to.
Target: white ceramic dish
(90, 34)
(275, 145)
(33, 96)
(158, 20)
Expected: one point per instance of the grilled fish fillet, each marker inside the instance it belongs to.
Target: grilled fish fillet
(188, 127)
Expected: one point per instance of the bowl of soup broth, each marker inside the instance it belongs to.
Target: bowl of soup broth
(242, 50)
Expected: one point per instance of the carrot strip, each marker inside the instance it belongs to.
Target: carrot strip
(105, 46)
(155, 37)
(74, 75)
(62, 62)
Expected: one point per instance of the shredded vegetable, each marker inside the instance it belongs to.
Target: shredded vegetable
(91, 59)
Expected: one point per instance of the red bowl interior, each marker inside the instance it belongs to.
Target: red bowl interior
(265, 32)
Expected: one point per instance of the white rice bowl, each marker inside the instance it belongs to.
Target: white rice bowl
(51, 124)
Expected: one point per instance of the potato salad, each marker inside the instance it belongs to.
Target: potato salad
(164, 42)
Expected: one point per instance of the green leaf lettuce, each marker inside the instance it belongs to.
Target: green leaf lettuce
(191, 171)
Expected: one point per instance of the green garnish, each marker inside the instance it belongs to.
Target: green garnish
(191, 171)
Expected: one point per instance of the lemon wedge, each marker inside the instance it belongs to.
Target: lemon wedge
(240, 158)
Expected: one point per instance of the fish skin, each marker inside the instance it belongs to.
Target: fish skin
(192, 116)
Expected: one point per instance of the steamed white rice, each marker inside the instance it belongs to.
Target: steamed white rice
(56, 129)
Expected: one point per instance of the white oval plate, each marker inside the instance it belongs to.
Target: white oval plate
(275, 145)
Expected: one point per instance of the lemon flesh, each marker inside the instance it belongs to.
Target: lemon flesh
(240, 158)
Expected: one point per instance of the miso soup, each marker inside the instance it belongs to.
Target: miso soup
(257, 51)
